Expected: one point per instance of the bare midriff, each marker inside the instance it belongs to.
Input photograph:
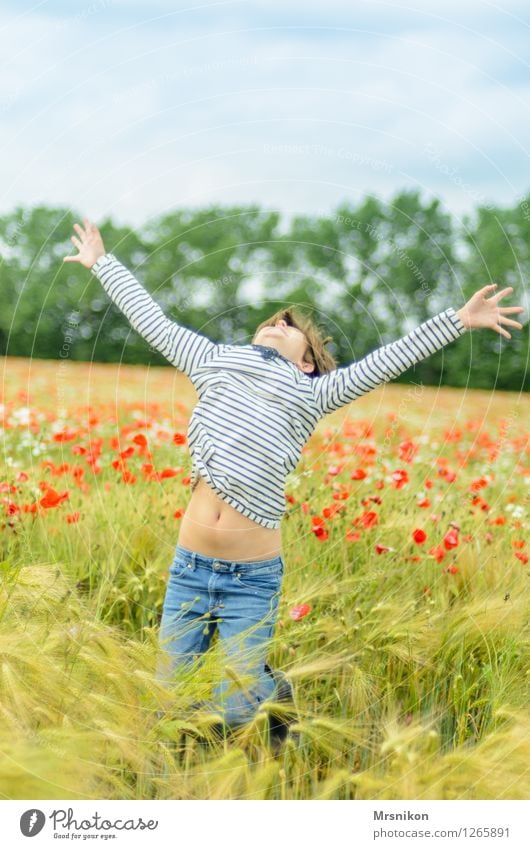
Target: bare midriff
(214, 528)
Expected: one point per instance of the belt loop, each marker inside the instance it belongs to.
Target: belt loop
(233, 565)
(193, 559)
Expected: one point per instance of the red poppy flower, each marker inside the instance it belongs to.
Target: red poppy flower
(179, 438)
(299, 611)
(380, 549)
(140, 439)
(367, 520)
(407, 450)
(53, 498)
(522, 556)
(437, 552)
(419, 536)
(353, 536)
(358, 475)
(72, 517)
(399, 478)
(65, 435)
(452, 570)
(451, 538)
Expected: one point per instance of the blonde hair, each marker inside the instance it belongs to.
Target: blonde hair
(315, 353)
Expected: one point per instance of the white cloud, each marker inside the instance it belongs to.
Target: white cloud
(112, 116)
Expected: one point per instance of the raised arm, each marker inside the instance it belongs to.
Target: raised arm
(182, 347)
(347, 383)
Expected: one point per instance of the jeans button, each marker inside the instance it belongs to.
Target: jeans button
(216, 566)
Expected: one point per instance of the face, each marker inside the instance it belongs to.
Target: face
(288, 340)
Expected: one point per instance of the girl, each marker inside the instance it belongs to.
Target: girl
(258, 405)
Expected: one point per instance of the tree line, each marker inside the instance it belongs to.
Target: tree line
(367, 272)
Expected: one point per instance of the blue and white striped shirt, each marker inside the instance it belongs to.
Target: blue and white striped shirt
(256, 413)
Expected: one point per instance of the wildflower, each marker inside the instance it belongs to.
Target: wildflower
(407, 450)
(72, 517)
(368, 520)
(52, 498)
(179, 438)
(419, 536)
(139, 439)
(452, 570)
(437, 552)
(299, 611)
(478, 484)
(65, 435)
(358, 475)
(400, 478)
(451, 538)
(353, 536)
(381, 549)
(522, 556)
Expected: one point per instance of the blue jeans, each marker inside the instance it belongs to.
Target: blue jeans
(241, 600)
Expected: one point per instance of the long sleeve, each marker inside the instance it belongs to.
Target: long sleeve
(347, 383)
(184, 348)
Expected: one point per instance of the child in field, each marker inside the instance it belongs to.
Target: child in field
(258, 405)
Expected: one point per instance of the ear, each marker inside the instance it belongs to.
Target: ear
(306, 367)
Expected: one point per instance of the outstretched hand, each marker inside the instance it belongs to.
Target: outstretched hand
(89, 244)
(482, 312)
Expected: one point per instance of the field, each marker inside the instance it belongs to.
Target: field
(403, 619)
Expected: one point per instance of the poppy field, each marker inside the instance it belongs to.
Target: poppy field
(403, 620)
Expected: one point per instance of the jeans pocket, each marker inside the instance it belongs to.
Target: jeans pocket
(266, 582)
(179, 567)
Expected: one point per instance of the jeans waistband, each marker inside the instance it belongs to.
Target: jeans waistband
(219, 564)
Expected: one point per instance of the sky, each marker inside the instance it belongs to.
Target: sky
(131, 108)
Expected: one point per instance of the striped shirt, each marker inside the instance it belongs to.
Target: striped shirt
(257, 409)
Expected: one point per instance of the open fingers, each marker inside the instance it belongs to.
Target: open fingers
(502, 294)
(510, 322)
(502, 331)
(511, 309)
(79, 229)
(77, 242)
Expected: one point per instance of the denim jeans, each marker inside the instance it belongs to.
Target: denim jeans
(241, 600)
